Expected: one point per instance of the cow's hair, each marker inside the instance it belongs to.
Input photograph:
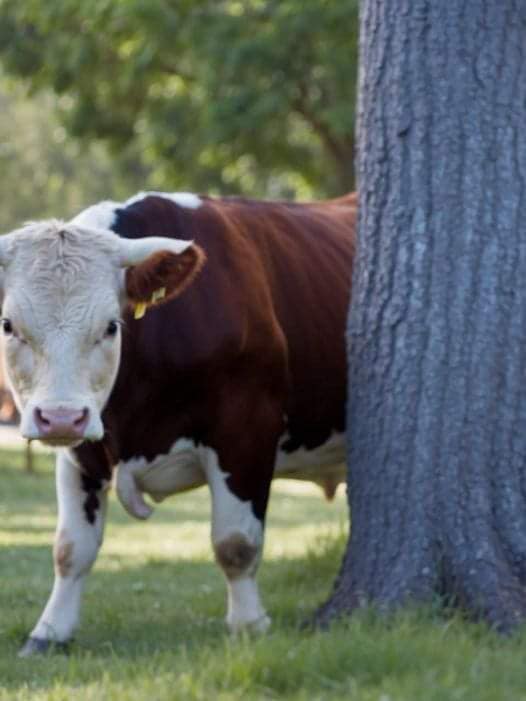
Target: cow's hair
(172, 271)
(57, 252)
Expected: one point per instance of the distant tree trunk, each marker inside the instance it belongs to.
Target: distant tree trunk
(437, 326)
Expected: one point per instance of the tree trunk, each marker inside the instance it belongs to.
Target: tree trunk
(437, 325)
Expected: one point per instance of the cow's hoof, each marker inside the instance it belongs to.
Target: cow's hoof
(260, 625)
(41, 646)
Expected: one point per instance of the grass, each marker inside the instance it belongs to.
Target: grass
(153, 628)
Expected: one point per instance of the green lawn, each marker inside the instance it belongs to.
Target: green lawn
(153, 627)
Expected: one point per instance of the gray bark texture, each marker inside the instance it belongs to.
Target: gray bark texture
(437, 325)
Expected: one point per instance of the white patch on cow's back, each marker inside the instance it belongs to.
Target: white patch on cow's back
(189, 200)
(103, 215)
(98, 216)
(169, 473)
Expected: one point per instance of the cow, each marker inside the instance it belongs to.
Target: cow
(171, 341)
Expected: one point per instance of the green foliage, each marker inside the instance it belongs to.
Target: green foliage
(152, 625)
(232, 95)
(43, 172)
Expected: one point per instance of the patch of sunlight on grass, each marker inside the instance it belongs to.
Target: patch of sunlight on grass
(303, 488)
(140, 543)
(18, 539)
(180, 527)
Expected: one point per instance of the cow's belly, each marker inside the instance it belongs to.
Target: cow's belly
(324, 465)
(303, 463)
(181, 469)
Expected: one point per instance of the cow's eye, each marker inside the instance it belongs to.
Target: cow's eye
(7, 327)
(112, 328)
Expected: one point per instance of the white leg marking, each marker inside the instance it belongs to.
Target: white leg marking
(237, 538)
(77, 543)
(245, 610)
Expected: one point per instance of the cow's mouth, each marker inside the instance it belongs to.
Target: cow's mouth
(59, 442)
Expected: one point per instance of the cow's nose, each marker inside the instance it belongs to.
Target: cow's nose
(61, 423)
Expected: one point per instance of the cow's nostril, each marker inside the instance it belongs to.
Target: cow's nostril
(41, 418)
(82, 418)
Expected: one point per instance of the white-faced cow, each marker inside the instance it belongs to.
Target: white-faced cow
(178, 340)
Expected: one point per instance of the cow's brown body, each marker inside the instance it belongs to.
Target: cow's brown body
(251, 351)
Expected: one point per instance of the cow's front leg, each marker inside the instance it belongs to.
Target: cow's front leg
(237, 538)
(81, 515)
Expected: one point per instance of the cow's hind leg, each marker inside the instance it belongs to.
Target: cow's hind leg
(81, 514)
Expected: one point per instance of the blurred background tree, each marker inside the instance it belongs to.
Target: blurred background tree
(43, 172)
(232, 96)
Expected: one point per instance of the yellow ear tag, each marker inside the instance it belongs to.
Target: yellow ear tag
(140, 310)
(158, 295)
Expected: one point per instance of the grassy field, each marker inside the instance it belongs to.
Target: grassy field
(153, 628)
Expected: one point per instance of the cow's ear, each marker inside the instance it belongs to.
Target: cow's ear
(162, 276)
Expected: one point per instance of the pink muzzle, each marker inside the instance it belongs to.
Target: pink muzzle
(61, 424)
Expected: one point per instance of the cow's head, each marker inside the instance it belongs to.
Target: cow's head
(64, 289)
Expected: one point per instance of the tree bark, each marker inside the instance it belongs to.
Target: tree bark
(437, 324)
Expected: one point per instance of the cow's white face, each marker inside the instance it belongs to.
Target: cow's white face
(64, 291)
